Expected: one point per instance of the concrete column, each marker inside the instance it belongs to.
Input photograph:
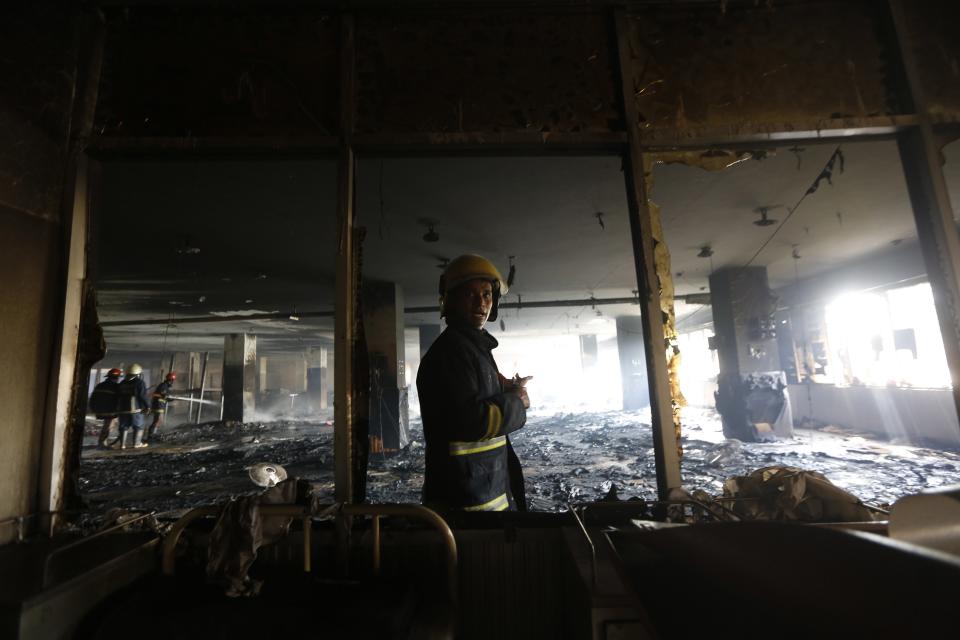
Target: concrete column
(317, 378)
(428, 333)
(588, 352)
(746, 340)
(633, 363)
(383, 325)
(239, 376)
(922, 160)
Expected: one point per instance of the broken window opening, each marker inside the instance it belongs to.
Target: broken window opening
(221, 274)
(820, 348)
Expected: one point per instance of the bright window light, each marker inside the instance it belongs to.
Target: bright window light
(887, 338)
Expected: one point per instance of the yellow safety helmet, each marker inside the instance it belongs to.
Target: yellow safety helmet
(471, 267)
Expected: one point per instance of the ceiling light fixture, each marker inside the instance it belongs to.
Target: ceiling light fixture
(705, 251)
(764, 221)
(431, 235)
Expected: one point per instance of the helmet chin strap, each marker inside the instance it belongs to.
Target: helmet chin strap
(495, 309)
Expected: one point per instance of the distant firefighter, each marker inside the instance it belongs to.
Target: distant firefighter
(104, 402)
(134, 402)
(158, 405)
(468, 407)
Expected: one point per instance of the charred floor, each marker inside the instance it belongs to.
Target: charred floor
(568, 459)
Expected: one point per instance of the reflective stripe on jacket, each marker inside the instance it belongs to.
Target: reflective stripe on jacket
(470, 463)
(133, 398)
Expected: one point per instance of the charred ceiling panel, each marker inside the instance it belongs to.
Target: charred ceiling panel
(231, 73)
(932, 28)
(751, 66)
(492, 72)
(36, 88)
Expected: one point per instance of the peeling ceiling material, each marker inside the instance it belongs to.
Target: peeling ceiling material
(695, 66)
(717, 208)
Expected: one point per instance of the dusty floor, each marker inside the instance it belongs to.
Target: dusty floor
(566, 457)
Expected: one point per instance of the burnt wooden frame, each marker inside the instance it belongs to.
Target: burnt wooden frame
(915, 132)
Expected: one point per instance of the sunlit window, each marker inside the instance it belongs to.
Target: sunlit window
(886, 338)
(698, 368)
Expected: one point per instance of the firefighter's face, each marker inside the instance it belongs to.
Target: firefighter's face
(470, 303)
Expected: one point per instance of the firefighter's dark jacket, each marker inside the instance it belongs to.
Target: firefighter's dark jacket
(133, 399)
(104, 400)
(470, 463)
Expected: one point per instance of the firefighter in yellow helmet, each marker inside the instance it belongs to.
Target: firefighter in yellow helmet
(468, 407)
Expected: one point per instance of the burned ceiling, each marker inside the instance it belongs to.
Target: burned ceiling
(184, 79)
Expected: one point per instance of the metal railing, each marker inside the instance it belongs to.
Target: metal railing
(85, 540)
(307, 514)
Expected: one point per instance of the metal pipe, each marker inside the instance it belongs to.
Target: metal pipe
(426, 515)
(168, 559)
(216, 319)
(203, 383)
(593, 548)
(691, 298)
(376, 545)
(86, 539)
(307, 542)
(418, 512)
(881, 527)
(190, 386)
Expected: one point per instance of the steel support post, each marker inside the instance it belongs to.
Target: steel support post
(661, 411)
(64, 378)
(203, 383)
(936, 228)
(346, 292)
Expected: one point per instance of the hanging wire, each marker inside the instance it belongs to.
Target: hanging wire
(825, 174)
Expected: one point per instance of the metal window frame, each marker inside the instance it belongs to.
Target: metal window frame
(917, 134)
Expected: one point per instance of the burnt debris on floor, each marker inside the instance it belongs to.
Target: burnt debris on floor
(567, 458)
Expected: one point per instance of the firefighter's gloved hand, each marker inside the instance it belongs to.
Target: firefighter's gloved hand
(518, 387)
(522, 392)
(509, 384)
